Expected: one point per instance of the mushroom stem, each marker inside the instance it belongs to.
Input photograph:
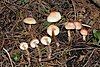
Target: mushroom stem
(69, 36)
(29, 28)
(84, 37)
(30, 31)
(50, 51)
(39, 53)
(28, 57)
(54, 38)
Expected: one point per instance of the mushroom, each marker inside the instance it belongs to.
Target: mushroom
(84, 33)
(69, 26)
(54, 17)
(53, 30)
(78, 25)
(33, 44)
(29, 20)
(46, 41)
(24, 46)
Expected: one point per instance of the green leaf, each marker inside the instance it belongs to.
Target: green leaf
(16, 57)
(44, 10)
(96, 34)
(45, 25)
(24, 1)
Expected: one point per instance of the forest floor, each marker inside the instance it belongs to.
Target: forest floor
(77, 53)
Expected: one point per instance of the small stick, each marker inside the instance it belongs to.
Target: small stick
(39, 53)
(50, 52)
(89, 58)
(28, 58)
(74, 8)
(8, 56)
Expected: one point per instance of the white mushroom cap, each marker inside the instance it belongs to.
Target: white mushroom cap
(45, 40)
(78, 25)
(54, 17)
(84, 32)
(69, 25)
(23, 46)
(34, 43)
(53, 28)
(29, 20)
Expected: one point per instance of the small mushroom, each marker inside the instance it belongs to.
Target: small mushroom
(30, 21)
(34, 44)
(54, 17)
(84, 33)
(24, 46)
(69, 26)
(78, 25)
(53, 30)
(46, 41)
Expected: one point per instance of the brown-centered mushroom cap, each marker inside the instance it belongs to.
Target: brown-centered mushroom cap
(69, 25)
(78, 25)
(84, 32)
(52, 28)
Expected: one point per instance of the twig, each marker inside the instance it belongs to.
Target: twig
(69, 59)
(88, 48)
(15, 25)
(46, 60)
(96, 64)
(74, 9)
(2, 44)
(9, 7)
(8, 56)
(28, 57)
(1, 64)
(89, 58)
(39, 52)
(74, 49)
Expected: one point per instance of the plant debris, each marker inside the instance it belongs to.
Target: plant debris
(73, 53)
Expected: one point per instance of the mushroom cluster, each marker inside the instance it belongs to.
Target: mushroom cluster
(52, 30)
(78, 26)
